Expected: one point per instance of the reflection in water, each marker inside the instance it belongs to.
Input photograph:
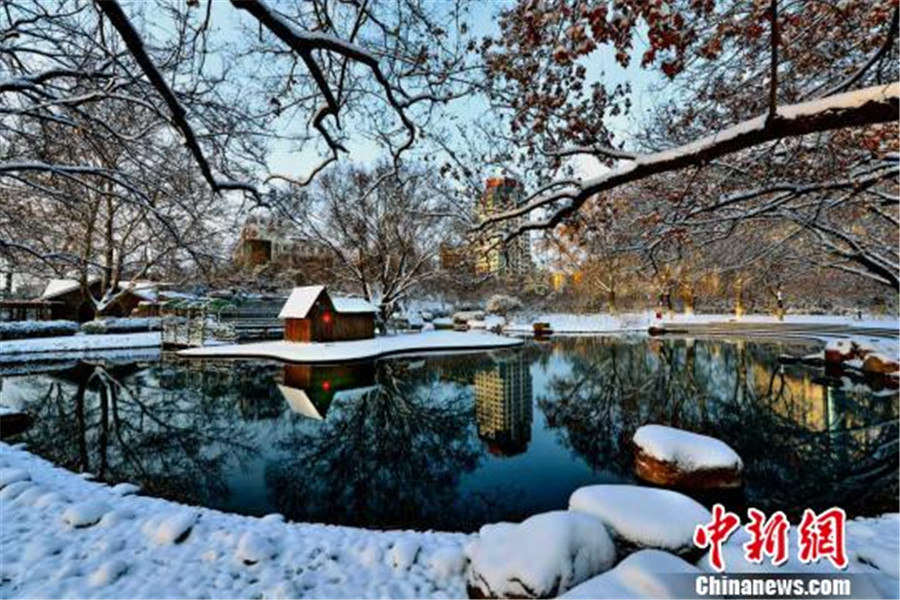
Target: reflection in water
(803, 444)
(426, 443)
(309, 390)
(503, 405)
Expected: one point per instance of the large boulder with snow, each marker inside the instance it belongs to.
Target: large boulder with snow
(681, 459)
(642, 517)
(501, 304)
(644, 574)
(838, 351)
(540, 557)
(880, 364)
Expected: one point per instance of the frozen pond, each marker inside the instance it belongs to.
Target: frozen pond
(455, 441)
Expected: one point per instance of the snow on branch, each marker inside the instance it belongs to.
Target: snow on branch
(305, 42)
(135, 45)
(869, 106)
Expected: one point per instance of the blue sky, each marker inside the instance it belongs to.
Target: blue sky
(483, 22)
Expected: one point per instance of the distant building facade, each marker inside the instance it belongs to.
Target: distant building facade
(503, 405)
(495, 257)
(266, 240)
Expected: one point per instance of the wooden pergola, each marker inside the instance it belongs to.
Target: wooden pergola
(26, 310)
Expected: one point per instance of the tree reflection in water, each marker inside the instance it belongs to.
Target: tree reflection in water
(803, 443)
(389, 457)
(452, 442)
(130, 423)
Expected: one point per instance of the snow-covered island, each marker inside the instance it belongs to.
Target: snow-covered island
(407, 344)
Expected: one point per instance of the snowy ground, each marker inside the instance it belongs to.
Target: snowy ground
(13, 349)
(65, 537)
(405, 343)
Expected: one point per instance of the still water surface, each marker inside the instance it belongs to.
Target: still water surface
(453, 442)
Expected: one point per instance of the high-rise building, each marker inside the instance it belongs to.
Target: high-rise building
(496, 257)
(503, 405)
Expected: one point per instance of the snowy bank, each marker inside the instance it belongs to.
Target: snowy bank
(330, 352)
(11, 350)
(64, 536)
(625, 322)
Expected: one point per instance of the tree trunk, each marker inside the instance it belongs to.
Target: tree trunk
(687, 294)
(611, 301)
(739, 298)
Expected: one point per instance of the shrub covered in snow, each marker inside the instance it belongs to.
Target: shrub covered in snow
(501, 304)
(93, 327)
(464, 316)
(538, 558)
(25, 329)
(642, 517)
(132, 324)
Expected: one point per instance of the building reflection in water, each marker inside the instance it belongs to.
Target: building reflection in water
(310, 390)
(503, 405)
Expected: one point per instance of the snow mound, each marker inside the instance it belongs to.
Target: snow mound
(125, 489)
(108, 572)
(447, 562)
(254, 548)
(644, 574)
(540, 557)
(643, 517)
(687, 450)
(85, 514)
(170, 529)
(9, 475)
(403, 554)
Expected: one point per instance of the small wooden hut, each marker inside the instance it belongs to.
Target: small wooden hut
(311, 314)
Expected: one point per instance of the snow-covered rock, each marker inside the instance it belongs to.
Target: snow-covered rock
(253, 548)
(171, 528)
(464, 316)
(880, 364)
(540, 557)
(837, 351)
(644, 574)
(642, 517)
(672, 457)
(85, 514)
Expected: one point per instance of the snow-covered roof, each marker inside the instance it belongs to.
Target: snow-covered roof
(352, 305)
(302, 300)
(58, 287)
(145, 290)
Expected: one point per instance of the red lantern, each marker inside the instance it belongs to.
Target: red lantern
(326, 385)
(326, 317)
